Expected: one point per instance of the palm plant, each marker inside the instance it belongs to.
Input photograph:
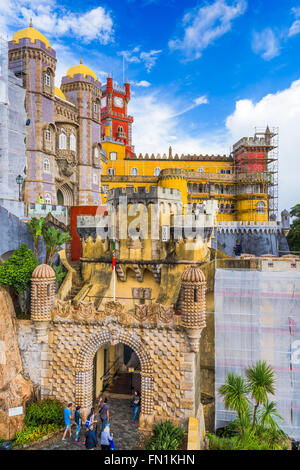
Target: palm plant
(35, 227)
(235, 392)
(266, 416)
(53, 239)
(261, 382)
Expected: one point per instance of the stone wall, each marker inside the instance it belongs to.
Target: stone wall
(15, 390)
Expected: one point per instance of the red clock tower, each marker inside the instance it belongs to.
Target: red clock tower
(114, 103)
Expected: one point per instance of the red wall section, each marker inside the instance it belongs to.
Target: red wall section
(75, 211)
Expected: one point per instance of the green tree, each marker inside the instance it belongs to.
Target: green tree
(261, 382)
(53, 239)
(235, 392)
(16, 271)
(293, 237)
(35, 227)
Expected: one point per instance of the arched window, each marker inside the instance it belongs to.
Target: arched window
(120, 129)
(47, 79)
(113, 155)
(46, 165)
(200, 170)
(47, 198)
(62, 141)
(73, 142)
(111, 171)
(260, 207)
(48, 135)
(134, 172)
(156, 171)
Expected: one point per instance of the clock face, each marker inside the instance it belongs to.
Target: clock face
(103, 102)
(118, 102)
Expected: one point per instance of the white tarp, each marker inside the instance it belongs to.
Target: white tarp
(257, 316)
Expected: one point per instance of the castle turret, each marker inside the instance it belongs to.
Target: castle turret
(193, 304)
(42, 293)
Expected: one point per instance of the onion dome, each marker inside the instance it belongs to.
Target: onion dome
(193, 274)
(32, 34)
(43, 271)
(81, 69)
(59, 93)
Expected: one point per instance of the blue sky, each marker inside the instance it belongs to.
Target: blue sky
(203, 73)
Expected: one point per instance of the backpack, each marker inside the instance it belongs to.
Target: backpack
(112, 445)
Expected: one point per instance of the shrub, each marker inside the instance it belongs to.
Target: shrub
(17, 270)
(165, 436)
(33, 433)
(44, 412)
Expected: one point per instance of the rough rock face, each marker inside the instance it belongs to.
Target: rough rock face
(15, 390)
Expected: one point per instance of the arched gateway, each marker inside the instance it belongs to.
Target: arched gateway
(84, 366)
(166, 344)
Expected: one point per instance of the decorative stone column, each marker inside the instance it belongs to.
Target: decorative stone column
(42, 302)
(193, 305)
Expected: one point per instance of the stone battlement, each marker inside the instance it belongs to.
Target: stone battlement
(248, 226)
(221, 158)
(142, 195)
(250, 142)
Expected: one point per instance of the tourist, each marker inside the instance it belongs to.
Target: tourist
(106, 438)
(78, 421)
(90, 438)
(41, 200)
(237, 249)
(90, 420)
(136, 404)
(104, 413)
(67, 417)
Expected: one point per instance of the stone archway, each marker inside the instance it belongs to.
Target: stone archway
(84, 369)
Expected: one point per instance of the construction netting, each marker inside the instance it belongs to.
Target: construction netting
(12, 133)
(257, 317)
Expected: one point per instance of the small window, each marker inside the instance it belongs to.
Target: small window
(164, 233)
(200, 170)
(95, 107)
(47, 198)
(111, 171)
(48, 135)
(134, 172)
(95, 178)
(156, 171)
(62, 141)
(113, 155)
(47, 79)
(73, 142)
(260, 207)
(46, 165)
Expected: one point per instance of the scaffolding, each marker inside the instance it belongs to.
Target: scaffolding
(252, 185)
(257, 318)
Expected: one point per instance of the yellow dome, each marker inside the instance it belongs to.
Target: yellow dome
(82, 69)
(32, 34)
(59, 93)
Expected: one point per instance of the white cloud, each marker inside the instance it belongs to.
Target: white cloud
(52, 19)
(142, 83)
(203, 25)
(295, 28)
(266, 44)
(137, 56)
(155, 128)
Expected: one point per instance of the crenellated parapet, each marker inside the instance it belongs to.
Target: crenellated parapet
(248, 227)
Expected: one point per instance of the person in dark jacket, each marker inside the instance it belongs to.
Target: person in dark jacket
(237, 249)
(90, 439)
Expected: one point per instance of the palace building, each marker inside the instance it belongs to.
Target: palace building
(79, 145)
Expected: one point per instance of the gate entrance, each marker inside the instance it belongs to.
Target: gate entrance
(117, 371)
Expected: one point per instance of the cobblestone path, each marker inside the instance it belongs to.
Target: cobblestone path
(125, 432)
